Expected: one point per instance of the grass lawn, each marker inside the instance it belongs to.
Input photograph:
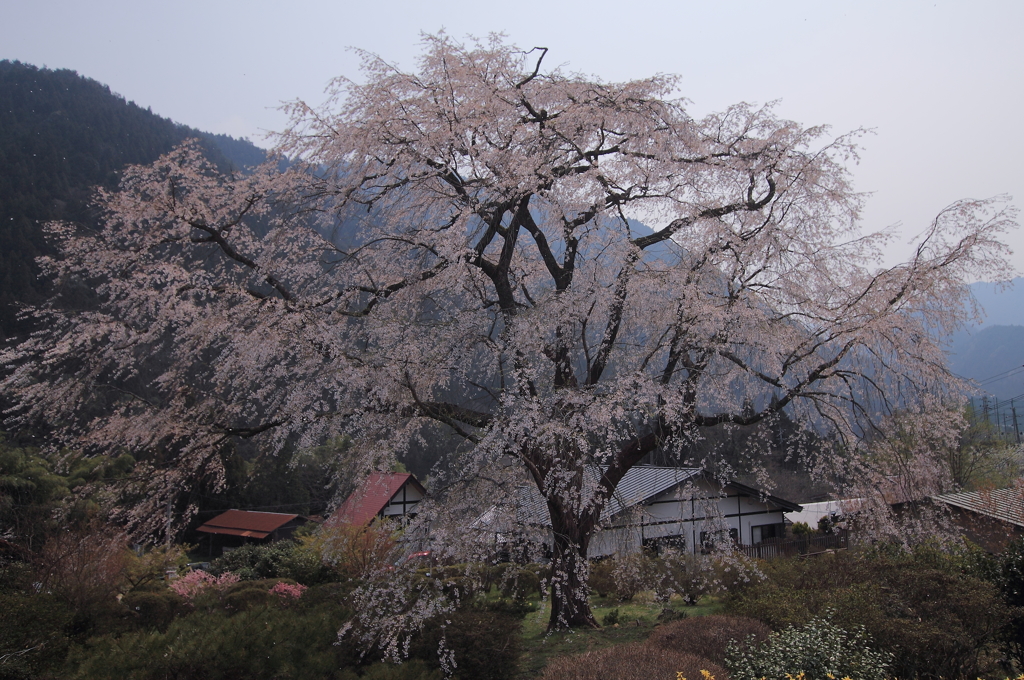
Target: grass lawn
(636, 621)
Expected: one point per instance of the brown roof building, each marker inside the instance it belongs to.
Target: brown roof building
(382, 494)
(990, 518)
(235, 528)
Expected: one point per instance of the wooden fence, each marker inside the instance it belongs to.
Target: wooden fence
(803, 545)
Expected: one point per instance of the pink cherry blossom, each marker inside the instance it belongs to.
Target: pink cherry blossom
(560, 271)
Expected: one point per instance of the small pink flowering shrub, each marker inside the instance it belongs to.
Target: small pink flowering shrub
(288, 590)
(197, 582)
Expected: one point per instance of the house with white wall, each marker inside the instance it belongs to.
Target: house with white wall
(384, 495)
(659, 506)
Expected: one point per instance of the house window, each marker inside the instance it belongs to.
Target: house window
(709, 541)
(764, 532)
(658, 546)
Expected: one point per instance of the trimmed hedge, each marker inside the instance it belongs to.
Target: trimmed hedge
(709, 636)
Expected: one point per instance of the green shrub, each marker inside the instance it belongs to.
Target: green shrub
(484, 645)
(801, 529)
(622, 576)
(519, 583)
(674, 573)
(936, 620)
(1007, 572)
(332, 595)
(818, 650)
(290, 644)
(259, 561)
(612, 617)
(601, 580)
(516, 607)
(409, 670)
(709, 636)
(308, 568)
(631, 575)
(249, 597)
(153, 608)
(677, 573)
(34, 634)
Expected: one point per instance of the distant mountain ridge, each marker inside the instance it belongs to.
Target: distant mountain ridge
(61, 135)
(990, 351)
(1004, 306)
(989, 356)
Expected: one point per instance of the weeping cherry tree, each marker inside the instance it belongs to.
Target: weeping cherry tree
(562, 272)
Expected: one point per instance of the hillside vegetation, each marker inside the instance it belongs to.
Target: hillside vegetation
(61, 136)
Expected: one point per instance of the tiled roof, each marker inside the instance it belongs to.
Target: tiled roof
(371, 497)
(246, 523)
(637, 485)
(1006, 505)
(642, 482)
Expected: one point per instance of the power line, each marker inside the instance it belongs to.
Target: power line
(1009, 402)
(1001, 376)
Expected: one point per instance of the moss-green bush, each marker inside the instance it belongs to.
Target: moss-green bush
(601, 580)
(1006, 571)
(34, 635)
(278, 644)
(327, 595)
(520, 583)
(483, 645)
(153, 608)
(936, 620)
(624, 576)
(259, 561)
(709, 636)
(409, 670)
(249, 597)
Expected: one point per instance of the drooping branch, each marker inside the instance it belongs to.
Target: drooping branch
(214, 235)
(247, 432)
(677, 225)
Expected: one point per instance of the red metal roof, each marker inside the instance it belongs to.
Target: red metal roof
(371, 497)
(246, 523)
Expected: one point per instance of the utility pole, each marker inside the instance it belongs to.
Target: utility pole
(1016, 428)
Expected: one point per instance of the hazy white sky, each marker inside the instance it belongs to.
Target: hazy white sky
(940, 83)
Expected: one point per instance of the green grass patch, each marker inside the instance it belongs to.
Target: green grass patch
(637, 619)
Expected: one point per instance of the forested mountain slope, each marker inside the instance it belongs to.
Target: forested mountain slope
(993, 357)
(1003, 305)
(992, 352)
(61, 135)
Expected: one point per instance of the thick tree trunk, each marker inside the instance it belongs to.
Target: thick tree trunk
(570, 593)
